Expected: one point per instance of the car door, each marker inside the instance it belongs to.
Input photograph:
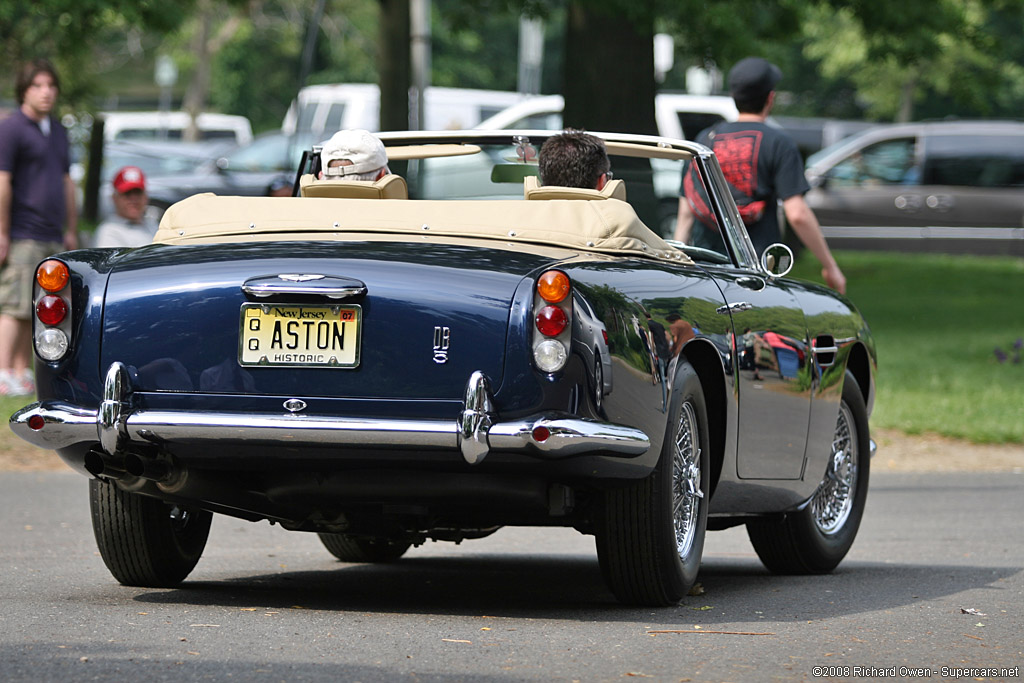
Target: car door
(876, 185)
(774, 384)
(975, 180)
(772, 375)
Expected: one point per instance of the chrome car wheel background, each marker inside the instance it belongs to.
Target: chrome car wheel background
(686, 474)
(833, 501)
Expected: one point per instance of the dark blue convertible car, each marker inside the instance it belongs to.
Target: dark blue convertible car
(450, 350)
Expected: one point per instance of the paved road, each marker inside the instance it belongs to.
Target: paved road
(268, 605)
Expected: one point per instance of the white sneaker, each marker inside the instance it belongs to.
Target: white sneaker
(12, 384)
(28, 382)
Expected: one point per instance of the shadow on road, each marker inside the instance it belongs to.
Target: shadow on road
(572, 588)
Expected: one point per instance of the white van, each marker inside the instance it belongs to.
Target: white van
(171, 125)
(324, 109)
(678, 116)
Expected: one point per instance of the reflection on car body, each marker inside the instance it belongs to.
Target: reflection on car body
(552, 405)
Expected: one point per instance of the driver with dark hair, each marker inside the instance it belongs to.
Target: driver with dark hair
(574, 159)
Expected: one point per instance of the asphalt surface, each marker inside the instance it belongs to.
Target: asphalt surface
(525, 604)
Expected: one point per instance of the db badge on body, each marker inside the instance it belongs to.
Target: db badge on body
(307, 336)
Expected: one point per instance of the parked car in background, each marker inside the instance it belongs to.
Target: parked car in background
(171, 125)
(320, 110)
(678, 116)
(246, 170)
(952, 185)
(407, 360)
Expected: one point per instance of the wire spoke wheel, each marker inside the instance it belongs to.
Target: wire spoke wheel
(686, 474)
(833, 501)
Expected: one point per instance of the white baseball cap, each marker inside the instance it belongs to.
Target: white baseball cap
(361, 147)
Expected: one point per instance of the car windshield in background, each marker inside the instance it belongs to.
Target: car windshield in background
(274, 151)
(155, 159)
(498, 172)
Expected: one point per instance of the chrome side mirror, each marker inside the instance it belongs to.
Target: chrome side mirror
(777, 260)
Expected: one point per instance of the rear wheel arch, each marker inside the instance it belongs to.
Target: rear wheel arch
(707, 362)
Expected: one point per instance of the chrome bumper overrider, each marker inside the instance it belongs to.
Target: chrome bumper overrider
(57, 424)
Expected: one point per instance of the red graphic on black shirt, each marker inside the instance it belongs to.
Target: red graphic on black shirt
(737, 155)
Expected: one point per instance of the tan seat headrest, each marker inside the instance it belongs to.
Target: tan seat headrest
(390, 186)
(532, 189)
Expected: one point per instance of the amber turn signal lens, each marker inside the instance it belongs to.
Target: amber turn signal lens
(553, 286)
(52, 275)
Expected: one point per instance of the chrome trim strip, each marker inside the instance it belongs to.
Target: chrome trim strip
(271, 288)
(930, 232)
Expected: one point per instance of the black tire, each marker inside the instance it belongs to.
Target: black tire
(354, 549)
(649, 550)
(144, 541)
(815, 539)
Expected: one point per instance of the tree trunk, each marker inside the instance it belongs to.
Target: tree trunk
(394, 64)
(609, 68)
(609, 86)
(205, 47)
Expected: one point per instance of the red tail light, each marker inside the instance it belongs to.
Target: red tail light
(552, 321)
(51, 310)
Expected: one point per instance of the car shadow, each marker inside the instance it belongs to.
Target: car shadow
(571, 587)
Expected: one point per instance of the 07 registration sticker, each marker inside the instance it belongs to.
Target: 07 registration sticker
(305, 336)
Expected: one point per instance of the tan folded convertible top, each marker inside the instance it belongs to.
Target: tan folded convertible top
(608, 226)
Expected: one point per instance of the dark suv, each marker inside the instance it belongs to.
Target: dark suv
(926, 186)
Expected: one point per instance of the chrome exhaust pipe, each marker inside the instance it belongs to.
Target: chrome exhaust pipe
(99, 464)
(153, 469)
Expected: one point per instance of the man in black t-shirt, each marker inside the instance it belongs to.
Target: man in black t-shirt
(763, 166)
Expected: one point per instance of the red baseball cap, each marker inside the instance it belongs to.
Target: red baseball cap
(129, 178)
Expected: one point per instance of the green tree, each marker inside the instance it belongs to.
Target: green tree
(69, 33)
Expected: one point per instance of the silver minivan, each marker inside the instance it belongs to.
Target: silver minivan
(959, 182)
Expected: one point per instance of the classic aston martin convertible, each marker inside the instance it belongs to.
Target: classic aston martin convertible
(452, 349)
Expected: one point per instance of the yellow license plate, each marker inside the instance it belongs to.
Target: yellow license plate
(307, 336)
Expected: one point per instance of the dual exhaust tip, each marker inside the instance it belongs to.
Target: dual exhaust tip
(132, 466)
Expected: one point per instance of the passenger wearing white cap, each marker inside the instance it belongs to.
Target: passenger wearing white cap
(130, 226)
(354, 155)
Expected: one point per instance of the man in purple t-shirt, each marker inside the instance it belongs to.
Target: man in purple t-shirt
(37, 202)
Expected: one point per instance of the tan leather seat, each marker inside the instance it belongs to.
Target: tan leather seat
(532, 189)
(390, 186)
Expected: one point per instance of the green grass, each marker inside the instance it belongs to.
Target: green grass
(937, 320)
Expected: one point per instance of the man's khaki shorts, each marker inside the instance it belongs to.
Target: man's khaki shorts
(17, 275)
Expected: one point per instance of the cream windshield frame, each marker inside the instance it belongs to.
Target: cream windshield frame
(432, 144)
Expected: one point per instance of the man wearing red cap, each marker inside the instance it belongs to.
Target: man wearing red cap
(130, 227)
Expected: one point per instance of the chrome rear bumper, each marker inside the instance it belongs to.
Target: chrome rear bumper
(56, 424)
